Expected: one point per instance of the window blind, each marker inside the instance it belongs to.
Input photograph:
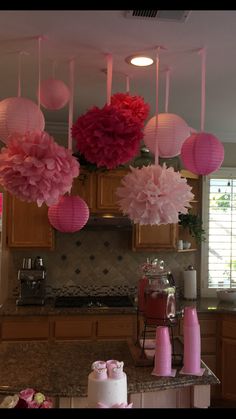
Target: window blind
(222, 233)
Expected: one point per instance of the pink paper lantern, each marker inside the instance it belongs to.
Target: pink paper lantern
(70, 214)
(172, 131)
(18, 115)
(202, 153)
(54, 94)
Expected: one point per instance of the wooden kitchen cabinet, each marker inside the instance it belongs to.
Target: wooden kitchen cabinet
(151, 238)
(98, 189)
(85, 185)
(107, 183)
(82, 327)
(95, 327)
(165, 236)
(28, 225)
(228, 358)
(33, 328)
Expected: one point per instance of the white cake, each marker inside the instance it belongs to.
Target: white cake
(107, 385)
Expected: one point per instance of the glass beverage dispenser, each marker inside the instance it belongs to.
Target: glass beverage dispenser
(159, 294)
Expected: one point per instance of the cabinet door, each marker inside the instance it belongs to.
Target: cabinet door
(74, 328)
(229, 369)
(116, 326)
(28, 225)
(151, 238)
(18, 329)
(85, 186)
(107, 185)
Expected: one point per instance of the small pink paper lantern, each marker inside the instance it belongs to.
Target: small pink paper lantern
(54, 94)
(172, 131)
(70, 214)
(202, 153)
(18, 114)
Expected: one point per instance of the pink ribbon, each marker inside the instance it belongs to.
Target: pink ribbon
(167, 89)
(39, 69)
(127, 84)
(156, 140)
(202, 52)
(71, 102)
(109, 78)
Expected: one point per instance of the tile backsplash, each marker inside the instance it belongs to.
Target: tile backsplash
(96, 262)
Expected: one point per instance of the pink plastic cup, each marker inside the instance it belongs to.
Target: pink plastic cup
(190, 316)
(163, 352)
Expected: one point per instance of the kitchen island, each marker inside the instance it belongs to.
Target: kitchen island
(60, 370)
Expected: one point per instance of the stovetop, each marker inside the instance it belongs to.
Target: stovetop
(94, 301)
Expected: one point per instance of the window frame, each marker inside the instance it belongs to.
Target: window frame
(223, 172)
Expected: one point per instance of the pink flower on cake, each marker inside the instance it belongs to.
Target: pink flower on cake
(29, 399)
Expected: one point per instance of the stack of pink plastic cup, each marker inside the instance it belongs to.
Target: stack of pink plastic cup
(163, 352)
(192, 342)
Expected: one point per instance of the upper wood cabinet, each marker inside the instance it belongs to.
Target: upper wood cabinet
(85, 185)
(165, 236)
(98, 189)
(154, 237)
(28, 225)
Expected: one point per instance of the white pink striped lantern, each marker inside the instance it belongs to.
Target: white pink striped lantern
(69, 215)
(54, 94)
(171, 132)
(202, 153)
(18, 114)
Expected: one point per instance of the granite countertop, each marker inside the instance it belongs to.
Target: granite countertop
(209, 305)
(9, 308)
(61, 368)
(203, 305)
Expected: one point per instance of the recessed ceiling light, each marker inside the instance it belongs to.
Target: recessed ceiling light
(139, 60)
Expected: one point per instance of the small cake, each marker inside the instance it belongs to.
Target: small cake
(107, 385)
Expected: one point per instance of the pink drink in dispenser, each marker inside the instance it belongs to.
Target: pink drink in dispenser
(159, 294)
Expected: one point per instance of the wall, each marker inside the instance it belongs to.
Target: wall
(95, 261)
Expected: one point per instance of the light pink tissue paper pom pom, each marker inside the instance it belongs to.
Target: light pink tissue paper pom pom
(34, 168)
(154, 195)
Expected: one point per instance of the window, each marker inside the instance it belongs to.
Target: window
(219, 221)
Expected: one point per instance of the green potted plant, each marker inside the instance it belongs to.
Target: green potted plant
(194, 224)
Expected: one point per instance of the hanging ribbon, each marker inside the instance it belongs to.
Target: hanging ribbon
(19, 74)
(39, 69)
(109, 77)
(167, 90)
(127, 84)
(71, 102)
(202, 52)
(156, 125)
(53, 69)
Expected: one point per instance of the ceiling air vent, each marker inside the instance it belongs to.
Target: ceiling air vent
(162, 15)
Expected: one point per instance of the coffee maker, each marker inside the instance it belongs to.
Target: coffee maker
(32, 278)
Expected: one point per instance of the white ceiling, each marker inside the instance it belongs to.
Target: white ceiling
(89, 35)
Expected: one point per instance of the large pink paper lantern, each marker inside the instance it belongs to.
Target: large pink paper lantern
(18, 115)
(70, 214)
(202, 153)
(172, 131)
(54, 94)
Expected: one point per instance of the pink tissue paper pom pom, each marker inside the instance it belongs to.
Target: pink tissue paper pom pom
(154, 195)
(34, 168)
(108, 136)
(135, 104)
